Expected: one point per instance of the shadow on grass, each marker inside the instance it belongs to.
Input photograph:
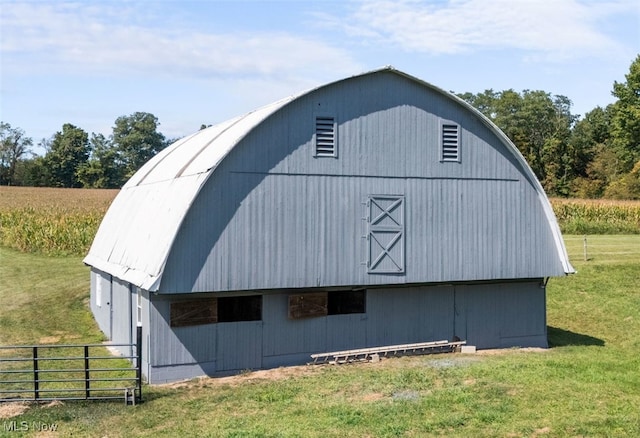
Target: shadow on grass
(558, 337)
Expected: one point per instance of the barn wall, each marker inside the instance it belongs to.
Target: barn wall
(102, 312)
(479, 219)
(502, 315)
(122, 315)
(486, 315)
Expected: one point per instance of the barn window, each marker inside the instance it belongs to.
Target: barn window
(98, 291)
(385, 236)
(326, 138)
(235, 309)
(450, 142)
(194, 312)
(213, 310)
(138, 306)
(314, 304)
(307, 305)
(346, 302)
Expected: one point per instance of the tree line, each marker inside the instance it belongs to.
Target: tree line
(74, 159)
(590, 157)
(595, 156)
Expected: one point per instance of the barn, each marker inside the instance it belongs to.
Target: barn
(371, 211)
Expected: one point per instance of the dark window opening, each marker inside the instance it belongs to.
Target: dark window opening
(195, 312)
(235, 309)
(346, 302)
(315, 304)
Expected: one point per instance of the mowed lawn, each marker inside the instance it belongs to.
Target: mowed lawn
(587, 384)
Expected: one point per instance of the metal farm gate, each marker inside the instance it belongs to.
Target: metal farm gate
(70, 372)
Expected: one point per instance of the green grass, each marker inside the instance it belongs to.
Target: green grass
(588, 384)
(44, 299)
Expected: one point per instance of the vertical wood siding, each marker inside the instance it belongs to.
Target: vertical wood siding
(485, 315)
(102, 313)
(275, 216)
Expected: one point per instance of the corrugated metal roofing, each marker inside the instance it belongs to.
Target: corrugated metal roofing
(136, 235)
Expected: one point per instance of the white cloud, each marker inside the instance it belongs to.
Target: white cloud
(117, 39)
(558, 29)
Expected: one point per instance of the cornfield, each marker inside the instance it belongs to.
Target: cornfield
(597, 216)
(51, 221)
(64, 221)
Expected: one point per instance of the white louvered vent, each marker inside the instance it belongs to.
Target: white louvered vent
(450, 142)
(325, 137)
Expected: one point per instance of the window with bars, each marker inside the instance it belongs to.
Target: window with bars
(326, 138)
(450, 142)
(385, 234)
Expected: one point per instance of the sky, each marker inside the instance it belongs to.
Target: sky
(202, 62)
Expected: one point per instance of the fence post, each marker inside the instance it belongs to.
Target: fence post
(586, 258)
(139, 360)
(87, 382)
(36, 388)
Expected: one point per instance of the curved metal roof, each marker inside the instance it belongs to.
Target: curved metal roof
(135, 236)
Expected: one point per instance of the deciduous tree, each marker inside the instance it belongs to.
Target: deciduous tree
(103, 169)
(14, 145)
(137, 139)
(69, 151)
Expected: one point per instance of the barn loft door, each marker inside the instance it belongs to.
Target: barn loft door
(385, 234)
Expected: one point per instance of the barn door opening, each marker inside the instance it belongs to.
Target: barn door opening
(385, 234)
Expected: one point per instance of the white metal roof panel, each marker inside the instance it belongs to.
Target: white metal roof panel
(136, 234)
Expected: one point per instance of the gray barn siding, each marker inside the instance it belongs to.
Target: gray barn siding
(486, 315)
(477, 219)
(102, 313)
(501, 315)
(116, 316)
(420, 314)
(179, 345)
(310, 231)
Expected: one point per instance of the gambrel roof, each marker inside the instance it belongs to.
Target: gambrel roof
(135, 237)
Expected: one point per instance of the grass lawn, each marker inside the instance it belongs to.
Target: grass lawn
(587, 384)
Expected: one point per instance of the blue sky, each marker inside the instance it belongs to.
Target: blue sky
(195, 62)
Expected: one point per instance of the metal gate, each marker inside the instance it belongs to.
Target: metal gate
(70, 372)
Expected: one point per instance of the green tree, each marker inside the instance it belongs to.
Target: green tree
(13, 146)
(137, 139)
(625, 122)
(32, 172)
(103, 169)
(539, 124)
(626, 187)
(594, 162)
(69, 151)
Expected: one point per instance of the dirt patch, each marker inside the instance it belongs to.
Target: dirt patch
(248, 376)
(9, 410)
(372, 397)
(49, 340)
